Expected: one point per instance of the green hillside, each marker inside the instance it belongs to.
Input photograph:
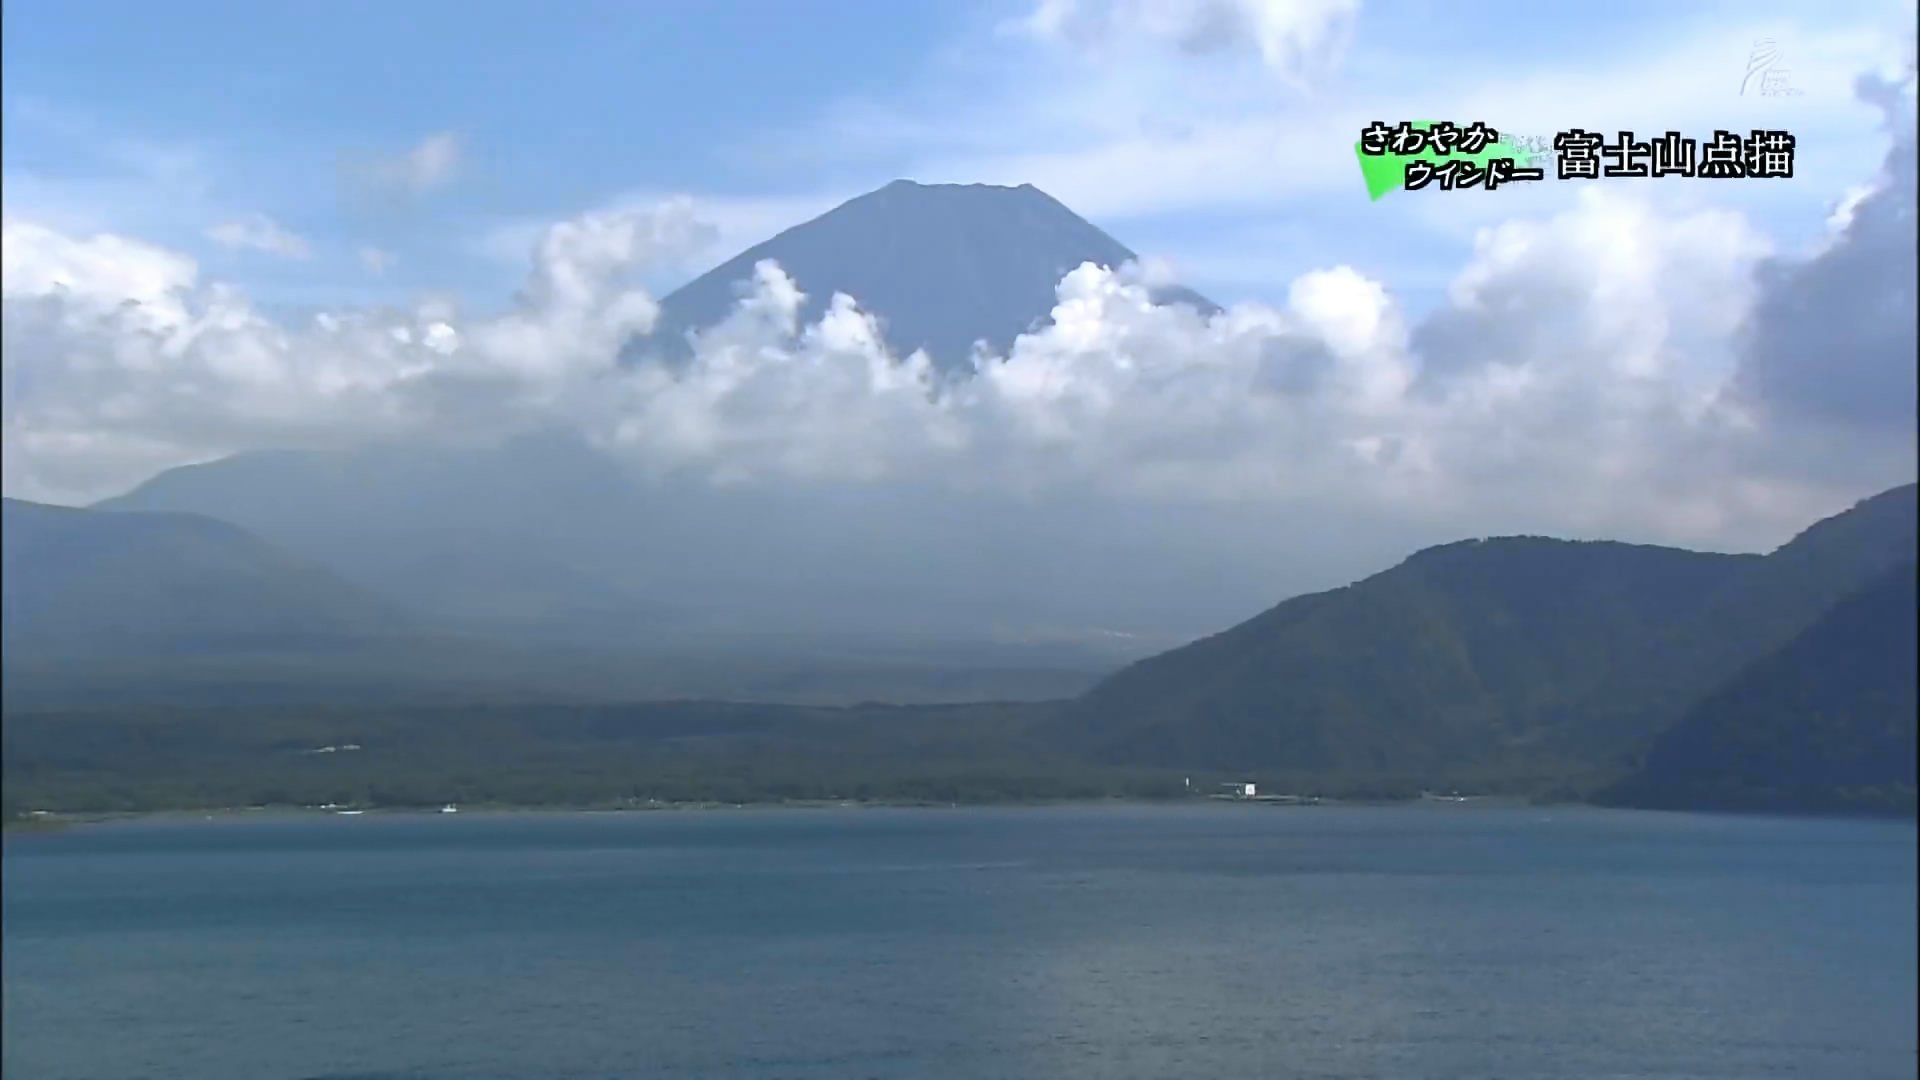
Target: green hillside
(1827, 722)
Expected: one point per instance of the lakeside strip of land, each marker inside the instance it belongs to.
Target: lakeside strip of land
(51, 821)
(75, 766)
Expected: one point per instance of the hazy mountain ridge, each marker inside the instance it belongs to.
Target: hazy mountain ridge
(544, 538)
(483, 537)
(136, 609)
(491, 573)
(135, 583)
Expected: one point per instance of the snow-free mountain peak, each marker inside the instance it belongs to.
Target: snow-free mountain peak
(942, 265)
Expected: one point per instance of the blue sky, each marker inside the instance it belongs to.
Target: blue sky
(164, 121)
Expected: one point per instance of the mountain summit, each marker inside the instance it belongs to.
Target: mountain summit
(941, 265)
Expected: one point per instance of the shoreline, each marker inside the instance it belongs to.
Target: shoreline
(55, 822)
(51, 821)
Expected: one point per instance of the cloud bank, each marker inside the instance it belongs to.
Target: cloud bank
(1834, 345)
(1609, 368)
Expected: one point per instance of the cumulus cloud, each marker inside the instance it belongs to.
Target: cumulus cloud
(1610, 286)
(119, 358)
(1293, 37)
(104, 272)
(725, 225)
(258, 232)
(1600, 370)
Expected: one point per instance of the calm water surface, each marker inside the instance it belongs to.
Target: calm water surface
(1088, 942)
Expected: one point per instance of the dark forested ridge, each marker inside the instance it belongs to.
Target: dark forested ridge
(1825, 723)
(1509, 648)
(1518, 655)
(1781, 595)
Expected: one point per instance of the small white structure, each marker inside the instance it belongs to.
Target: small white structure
(1241, 790)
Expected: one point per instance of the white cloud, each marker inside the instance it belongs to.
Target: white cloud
(99, 274)
(119, 359)
(377, 261)
(258, 232)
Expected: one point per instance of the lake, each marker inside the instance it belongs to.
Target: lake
(1126, 941)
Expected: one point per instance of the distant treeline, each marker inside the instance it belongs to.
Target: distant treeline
(672, 752)
(132, 760)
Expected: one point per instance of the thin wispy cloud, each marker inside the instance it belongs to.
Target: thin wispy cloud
(377, 261)
(1297, 40)
(428, 165)
(258, 232)
(102, 177)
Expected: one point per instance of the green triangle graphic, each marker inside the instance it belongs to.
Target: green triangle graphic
(1386, 172)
